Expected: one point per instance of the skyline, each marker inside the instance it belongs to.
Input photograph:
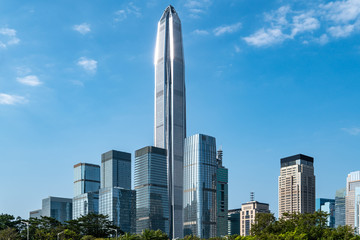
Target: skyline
(235, 91)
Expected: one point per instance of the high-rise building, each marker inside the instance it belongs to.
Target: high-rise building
(340, 207)
(120, 207)
(150, 180)
(116, 169)
(221, 196)
(200, 181)
(247, 215)
(35, 214)
(170, 109)
(297, 185)
(58, 208)
(86, 189)
(352, 200)
(234, 221)
(86, 178)
(328, 206)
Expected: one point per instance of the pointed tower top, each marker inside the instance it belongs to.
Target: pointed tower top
(169, 10)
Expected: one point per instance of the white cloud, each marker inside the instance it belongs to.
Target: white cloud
(227, 29)
(8, 37)
(197, 7)
(130, 9)
(304, 22)
(83, 28)
(90, 65)
(7, 99)
(278, 17)
(237, 49)
(30, 80)
(352, 131)
(341, 30)
(342, 11)
(322, 40)
(266, 37)
(200, 32)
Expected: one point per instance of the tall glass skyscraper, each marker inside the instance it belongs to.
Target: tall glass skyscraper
(152, 202)
(116, 169)
(170, 109)
(340, 207)
(200, 211)
(222, 196)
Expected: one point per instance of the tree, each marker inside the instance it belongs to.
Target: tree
(9, 233)
(9, 221)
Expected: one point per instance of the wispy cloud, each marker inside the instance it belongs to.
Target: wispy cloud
(130, 9)
(200, 32)
(352, 131)
(8, 37)
(90, 65)
(83, 28)
(266, 37)
(322, 40)
(8, 99)
(197, 7)
(30, 80)
(227, 29)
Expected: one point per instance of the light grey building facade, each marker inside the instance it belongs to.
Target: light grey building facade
(340, 207)
(85, 203)
(352, 201)
(35, 214)
(200, 209)
(58, 208)
(170, 110)
(150, 180)
(328, 206)
(116, 169)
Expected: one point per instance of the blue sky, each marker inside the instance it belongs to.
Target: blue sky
(268, 79)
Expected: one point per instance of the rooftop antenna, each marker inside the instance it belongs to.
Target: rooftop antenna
(252, 196)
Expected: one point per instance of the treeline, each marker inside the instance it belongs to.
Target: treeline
(97, 226)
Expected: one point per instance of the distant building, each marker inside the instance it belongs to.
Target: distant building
(119, 205)
(221, 196)
(58, 208)
(200, 181)
(35, 214)
(328, 206)
(352, 200)
(86, 189)
(150, 180)
(297, 185)
(116, 169)
(247, 215)
(234, 221)
(340, 207)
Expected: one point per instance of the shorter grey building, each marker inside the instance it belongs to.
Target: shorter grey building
(248, 213)
(340, 207)
(119, 205)
(58, 208)
(35, 214)
(234, 221)
(152, 201)
(221, 196)
(85, 203)
(328, 206)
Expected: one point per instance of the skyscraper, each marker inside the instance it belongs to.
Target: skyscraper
(58, 208)
(116, 169)
(328, 206)
(150, 180)
(297, 185)
(352, 200)
(170, 109)
(200, 210)
(340, 207)
(221, 196)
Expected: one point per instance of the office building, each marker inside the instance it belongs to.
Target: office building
(340, 207)
(116, 169)
(35, 214)
(58, 208)
(119, 205)
(150, 180)
(352, 200)
(234, 221)
(221, 196)
(247, 215)
(170, 109)
(200, 181)
(85, 203)
(328, 206)
(297, 185)
(86, 178)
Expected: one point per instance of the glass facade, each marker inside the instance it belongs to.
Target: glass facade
(170, 109)
(352, 200)
(222, 197)
(58, 208)
(116, 169)
(86, 203)
(152, 201)
(200, 181)
(86, 178)
(340, 207)
(119, 205)
(328, 206)
(35, 214)
(234, 221)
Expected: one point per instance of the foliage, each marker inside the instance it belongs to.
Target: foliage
(9, 233)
